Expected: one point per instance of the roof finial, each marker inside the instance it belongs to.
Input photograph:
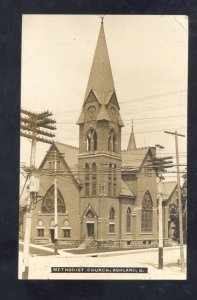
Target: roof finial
(102, 17)
(132, 124)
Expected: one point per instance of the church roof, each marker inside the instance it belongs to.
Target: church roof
(70, 156)
(125, 190)
(100, 79)
(167, 189)
(134, 158)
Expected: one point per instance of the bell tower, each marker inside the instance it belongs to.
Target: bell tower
(100, 125)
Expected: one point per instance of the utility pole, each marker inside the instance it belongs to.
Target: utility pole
(179, 197)
(160, 258)
(55, 205)
(56, 156)
(30, 128)
(160, 165)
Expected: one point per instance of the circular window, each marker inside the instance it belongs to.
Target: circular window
(91, 111)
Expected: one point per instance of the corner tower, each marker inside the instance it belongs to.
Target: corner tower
(100, 129)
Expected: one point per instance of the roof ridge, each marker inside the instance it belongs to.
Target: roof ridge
(71, 146)
(141, 148)
(170, 181)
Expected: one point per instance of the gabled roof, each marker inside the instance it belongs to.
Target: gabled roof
(100, 79)
(120, 122)
(70, 157)
(81, 118)
(103, 114)
(125, 190)
(89, 207)
(168, 188)
(134, 158)
(70, 154)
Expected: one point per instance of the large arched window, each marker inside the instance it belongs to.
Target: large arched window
(91, 140)
(110, 180)
(48, 201)
(87, 180)
(112, 214)
(94, 179)
(147, 213)
(111, 140)
(128, 220)
(112, 220)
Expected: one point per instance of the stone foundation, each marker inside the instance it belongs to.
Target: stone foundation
(124, 244)
(68, 243)
(109, 244)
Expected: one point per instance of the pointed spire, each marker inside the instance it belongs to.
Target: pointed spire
(131, 144)
(100, 78)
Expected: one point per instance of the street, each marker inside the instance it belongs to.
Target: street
(40, 266)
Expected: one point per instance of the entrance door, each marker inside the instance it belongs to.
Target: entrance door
(52, 232)
(90, 229)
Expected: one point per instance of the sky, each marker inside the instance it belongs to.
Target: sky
(149, 61)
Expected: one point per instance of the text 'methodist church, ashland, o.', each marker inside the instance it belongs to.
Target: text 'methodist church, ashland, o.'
(106, 197)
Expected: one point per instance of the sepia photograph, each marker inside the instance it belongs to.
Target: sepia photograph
(103, 147)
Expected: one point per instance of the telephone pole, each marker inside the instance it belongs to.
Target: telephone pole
(179, 197)
(159, 165)
(55, 205)
(31, 125)
(56, 156)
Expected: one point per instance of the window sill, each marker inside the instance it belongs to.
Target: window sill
(111, 233)
(144, 233)
(51, 214)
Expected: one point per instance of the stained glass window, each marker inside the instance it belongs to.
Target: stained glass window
(94, 179)
(48, 201)
(147, 213)
(128, 220)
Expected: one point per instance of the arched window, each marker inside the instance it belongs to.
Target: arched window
(93, 179)
(48, 201)
(147, 213)
(87, 180)
(91, 140)
(112, 214)
(114, 180)
(128, 220)
(112, 220)
(110, 180)
(111, 141)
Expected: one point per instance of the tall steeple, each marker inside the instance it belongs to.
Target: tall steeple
(100, 126)
(101, 79)
(131, 144)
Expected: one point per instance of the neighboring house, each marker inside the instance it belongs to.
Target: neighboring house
(170, 196)
(104, 194)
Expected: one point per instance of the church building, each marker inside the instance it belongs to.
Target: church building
(106, 197)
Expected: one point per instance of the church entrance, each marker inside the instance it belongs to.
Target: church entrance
(52, 233)
(90, 229)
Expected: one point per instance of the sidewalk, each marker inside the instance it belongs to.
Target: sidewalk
(40, 267)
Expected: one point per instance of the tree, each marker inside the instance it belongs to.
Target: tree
(174, 213)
